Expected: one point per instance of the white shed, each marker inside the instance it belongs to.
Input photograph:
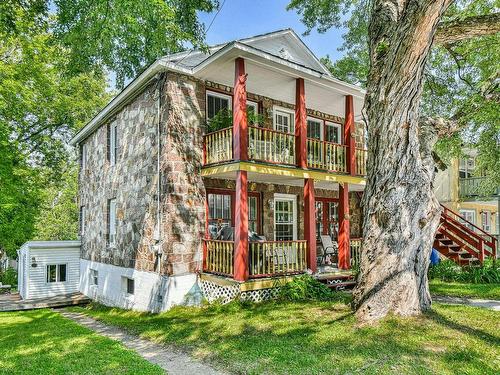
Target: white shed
(48, 268)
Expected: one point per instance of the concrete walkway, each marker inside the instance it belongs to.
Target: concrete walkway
(172, 361)
(484, 303)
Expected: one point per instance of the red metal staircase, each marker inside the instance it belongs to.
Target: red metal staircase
(462, 241)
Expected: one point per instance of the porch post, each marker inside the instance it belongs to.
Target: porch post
(300, 123)
(344, 228)
(349, 139)
(240, 152)
(310, 223)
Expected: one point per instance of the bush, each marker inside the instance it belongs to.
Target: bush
(9, 277)
(447, 270)
(305, 288)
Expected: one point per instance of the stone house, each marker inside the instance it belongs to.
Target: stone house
(217, 172)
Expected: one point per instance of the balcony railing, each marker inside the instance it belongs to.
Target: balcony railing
(471, 187)
(277, 258)
(271, 146)
(219, 257)
(326, 155)
(355, 246)
(361, 156)
(218, 146)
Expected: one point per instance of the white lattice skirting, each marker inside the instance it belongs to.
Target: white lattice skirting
(226, 293)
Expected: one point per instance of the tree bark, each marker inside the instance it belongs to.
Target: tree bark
(470, 27)
(401, 213)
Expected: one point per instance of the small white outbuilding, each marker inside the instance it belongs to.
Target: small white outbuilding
(48, 268)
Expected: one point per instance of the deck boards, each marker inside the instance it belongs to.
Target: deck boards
(13, 302)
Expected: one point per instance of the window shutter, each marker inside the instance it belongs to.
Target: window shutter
(108, 139)
(115, 129)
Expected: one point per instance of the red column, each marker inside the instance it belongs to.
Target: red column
(300, 123)
(310, 223)
(344, 229)
(349, 135)
(240, 126)
(240, 152)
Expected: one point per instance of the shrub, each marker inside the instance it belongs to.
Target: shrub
(305, 288)
(447, 270)
(9, 277)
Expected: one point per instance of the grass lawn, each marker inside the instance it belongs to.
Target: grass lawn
(44, 342)
(316, 338)
(485, 291)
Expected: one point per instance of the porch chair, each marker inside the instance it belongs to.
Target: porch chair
(329, 247)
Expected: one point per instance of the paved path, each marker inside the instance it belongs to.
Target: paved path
(172, 361)
(484, 303)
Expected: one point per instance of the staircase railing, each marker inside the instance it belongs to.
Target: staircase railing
(469, 236)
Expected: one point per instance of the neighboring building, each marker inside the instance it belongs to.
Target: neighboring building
(255, 135)
(48, 268)
(458, 188)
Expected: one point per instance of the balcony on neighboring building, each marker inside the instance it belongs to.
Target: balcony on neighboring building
(471, 187)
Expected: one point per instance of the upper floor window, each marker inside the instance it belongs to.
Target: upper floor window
(113, 143)
(82, 220)
(486, 220)
(470, 218)
(333, 132)
(217, 102)
(314, 128)
(283, 120)
(252, 112)
(219, 212)
(466, 167)
(83, 156)
(112, 221)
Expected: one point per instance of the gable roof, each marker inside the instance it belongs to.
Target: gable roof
(283, 47)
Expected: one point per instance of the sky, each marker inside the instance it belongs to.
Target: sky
(244, 18)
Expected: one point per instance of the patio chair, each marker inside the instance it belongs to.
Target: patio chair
(329, 247)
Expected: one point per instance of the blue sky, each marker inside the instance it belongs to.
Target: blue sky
(244, 18)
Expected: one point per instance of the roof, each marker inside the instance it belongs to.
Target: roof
(282, 47)
(50, 244)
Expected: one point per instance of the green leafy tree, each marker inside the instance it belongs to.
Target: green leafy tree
(401, 212)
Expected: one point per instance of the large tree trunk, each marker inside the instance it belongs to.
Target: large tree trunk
(401, 213)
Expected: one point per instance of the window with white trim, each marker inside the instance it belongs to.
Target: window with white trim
(113, 143)
(128, 285)
(333, 133)
(466, 167)
(83, 156)
(217, 102)
(314, 128)
(56, 273)
(285, 217)
(283, 120)
(112, 221)
(252, 112)
(486, 220)
(94, 277)
(219, 212)
(470, 216)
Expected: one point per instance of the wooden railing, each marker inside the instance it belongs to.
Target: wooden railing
(467, 235)
(326, 155)
(355, 246)
(471, 187)
(361, 156)
(271, 146)
(218, 146)
(270, 258)
(219, 257)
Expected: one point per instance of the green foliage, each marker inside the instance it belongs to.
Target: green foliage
(224, 119)
(125, 36)
(9, 277)
(305, 288)
(447, 270)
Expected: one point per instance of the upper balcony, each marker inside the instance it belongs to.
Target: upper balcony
(277, 147)
(470, 188)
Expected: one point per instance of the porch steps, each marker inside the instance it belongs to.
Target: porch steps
(337, 281)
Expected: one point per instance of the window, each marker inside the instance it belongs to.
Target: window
(94, 277)
(285, 213)
(252, 112)
(283, 120)
(217, 102)
(466, 168)
(314, 128)
(82, 220)
(113, 143)
(486, 220)
(112, 221)
(83, 156)
(470, 218)
(128, 285)
(333, 133)
(327, 217)
(219, 212)
(56, 273)
(253, 219)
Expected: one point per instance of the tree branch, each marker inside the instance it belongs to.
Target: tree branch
(461, 29)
